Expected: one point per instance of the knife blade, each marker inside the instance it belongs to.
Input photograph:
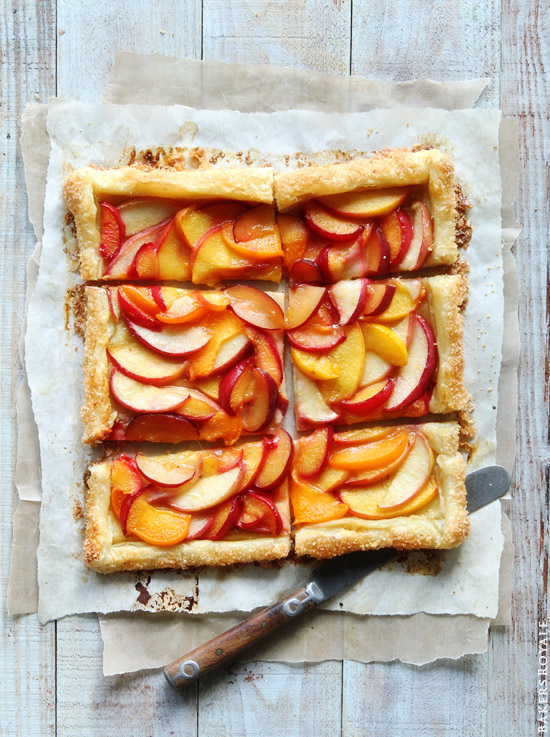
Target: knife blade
(327, 579)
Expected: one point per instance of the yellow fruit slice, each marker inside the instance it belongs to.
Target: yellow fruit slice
(369, 203)
(400, 306)
(365, 435)
(314, 365)
(330, 479)
(156, 526)
(371, 455)
(310, 506)
(222, 326)
(364, 502)
(141, 297)
(349, 358)
(385, 343)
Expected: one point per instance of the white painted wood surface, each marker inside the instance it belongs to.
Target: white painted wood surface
(51, 676)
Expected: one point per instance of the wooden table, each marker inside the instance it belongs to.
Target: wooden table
(51, 680)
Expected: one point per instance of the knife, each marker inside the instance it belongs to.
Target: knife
(327, 580)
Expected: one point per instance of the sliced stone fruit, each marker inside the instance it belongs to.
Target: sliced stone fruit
(209, 491)
(172, 340)
(367, 203)
(313, 453)
(349, 357)
(411, 476)
(276, 460)
(371, 455)
(311, 506)
(255, 307)
(145, 398)
(156, 526)
(364, 502)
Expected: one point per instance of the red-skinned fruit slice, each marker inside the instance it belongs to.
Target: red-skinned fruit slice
(255, 307)
(305, 271)
(160, 472)
(184, 309)
(323, 222)
(232, 350)
(422, 239)
(156, 293)
(379, 298)
(125, 507)
(146, 264)
(397, 227)
(228, 386)
(112, 231)
(121, 264)
(143, 365)
(414, 378)
(225, 518)
(160, 428)
(377, 254)
(304, 301)
(200, 525)
(153, 525)
(135, 314)
(198, 407)
(112, 298)
(276, 460)
(369, 398)
(125, 474)
(350, 299)
(294, 238)
(144, 212)
(175, 341)
(257, 222)
(373, 476)
(367, 203)
(411, 476)
(208, 491)
(266, 353)
(259, 514)
(313, 341)
(313, 452)
(145, 398)
(258, 413)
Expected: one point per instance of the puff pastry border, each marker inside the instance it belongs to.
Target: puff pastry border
(328, 539)
(83, 187)
(390, 168)
(98, 414)
(103, 556)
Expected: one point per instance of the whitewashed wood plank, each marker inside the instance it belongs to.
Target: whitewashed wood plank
(89, 33)
(438, 700)
(269, 699)
(439, 40)
(27, 655)
(308, 34)
(93, 706)
(525, 94)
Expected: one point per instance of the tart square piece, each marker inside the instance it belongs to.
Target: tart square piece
(401, 487)
(364, 351)
(201, 226)
(193, 508)
(395, 212)
(164, 364)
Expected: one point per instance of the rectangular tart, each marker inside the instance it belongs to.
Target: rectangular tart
(166, 364)
(395, 212)
(201, 226)
(401, 487)
(365, 351)
(192, 508)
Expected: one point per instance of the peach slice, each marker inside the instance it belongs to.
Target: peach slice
(276, 460)
(364, 502)
(303, 271)
(377, 254)
(345, 262)
(350, 299)
(266, 353)
(365, 435)
(198, 407)
(311, 506)
(160, 428)
(208, 491)
(140, 363)
(146, 264)
(259, 514)
(258, 412)
(252, 458)
(369, 398)
(185, 308)
(308, 338)
(211, 259)
(112, 298)
(122, 262)
(173, 255)
(397, 228)
(330, 479)
(226, 517)
(223, 426)
(255, 224)
(161, 471)
(161, 527)
(319, 368)
(411, 476)
(255, 307)
(422, 239)
(349, 357)
(200, 525)
(146, 212)
(209, 386)
(328, 225)
(215, 301)
(311, 408)
(173, 340)
(261, 249)
(142, 297)
(370, 455)
(373, 476)
(112, 231)
(402, 302)
(193, 223)
(125, 475)
(222, 326)
(375, 369)
(231, 351)
(313, 453)
(367, 203)
(385, 342)
(379, 297)
(414, 378)
(132, 311)
(237, 386)
(145, 398)
(294, 238)
(304, 301)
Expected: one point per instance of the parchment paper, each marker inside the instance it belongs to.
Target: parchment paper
(394, 635)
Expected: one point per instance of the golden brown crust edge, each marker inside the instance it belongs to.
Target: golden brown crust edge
(342, 536)
(104, 556)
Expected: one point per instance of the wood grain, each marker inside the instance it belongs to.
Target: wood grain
(27, 655)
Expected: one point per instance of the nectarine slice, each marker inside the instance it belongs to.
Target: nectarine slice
(142, 297)
(207, 492)
(146, 264)
(364, 502)
(226, 517)
(313, 452)
(311, 506)
(411, 475)
(256, 223)
(155, 525)
(222, 426)
(261, 249)
(349, 357)
(312, 408)
(369, 398)
(125, 475)
(358, 437)
(385, 342)
(112, 231)
(373, 476)
(325, 223)
(255, 307)
(252, 458)
(160, 428)
(397, 227)
(304, 301)
(140, 363)
(165, 472)
(222, 326)
(266, 353)
(259, 514)
(401, 304)
(370, 455)
(294, 236)
(185, 308)
(329, 479)
(276, 460)
(145, 398)
(317, 367)
(144, 212)
(367, 203)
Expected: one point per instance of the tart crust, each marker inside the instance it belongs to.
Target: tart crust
(84, 187)
(103, 554)
(98, 412)
(392, 168)
(444, 523)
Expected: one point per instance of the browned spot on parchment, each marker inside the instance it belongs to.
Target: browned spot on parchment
(422, 562)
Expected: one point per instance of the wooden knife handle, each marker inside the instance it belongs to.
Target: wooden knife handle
(226, 646)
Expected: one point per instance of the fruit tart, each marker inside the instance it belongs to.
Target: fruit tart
(366, 350)
(192, 508)
(400, 486)
(201, 226)
(166, 364)
(395, 212)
